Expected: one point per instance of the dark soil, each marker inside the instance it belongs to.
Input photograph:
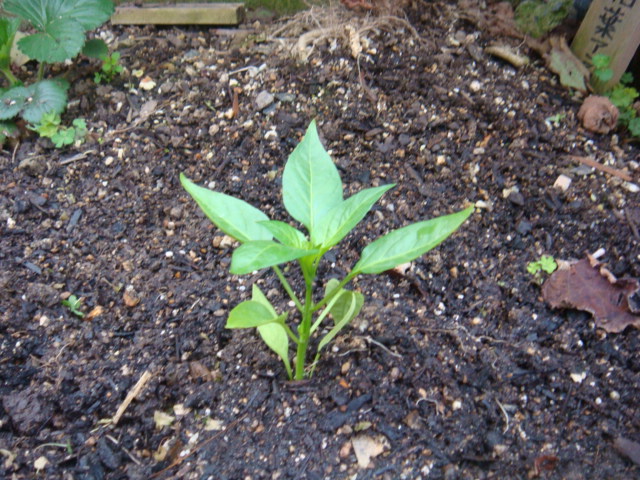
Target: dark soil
(457, 369)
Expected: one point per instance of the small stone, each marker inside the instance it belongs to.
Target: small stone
(524, 227)
(475, 86)
(562, 183)
(33, 166)
(516, 198)
(264, 99)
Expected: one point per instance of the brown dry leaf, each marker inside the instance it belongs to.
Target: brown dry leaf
(570, 68)
(366, 448)
(628, 448)
(598, 114)
(585, 285)
(497, 20)
(95, 312)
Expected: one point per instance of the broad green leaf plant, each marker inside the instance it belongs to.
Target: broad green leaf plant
(58, 30)
(312, 194)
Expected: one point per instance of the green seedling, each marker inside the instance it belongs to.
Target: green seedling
(312, 193)
(546, 264)
(74, 304)
(57, 33)
(622, 95)
(555, 119)
(110, 68)
(50, 127)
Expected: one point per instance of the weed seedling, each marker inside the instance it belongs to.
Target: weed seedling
(50, 127)
(546, 264)
(74, 304)
(312, 194)
(110, 68)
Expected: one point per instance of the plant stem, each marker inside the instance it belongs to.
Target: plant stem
(287, 287)
(304, 329)
(13, 81)
(329, 297)
(40, 71)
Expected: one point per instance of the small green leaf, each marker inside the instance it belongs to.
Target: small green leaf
(626, 78)
(311, 184)
(276, 338)
(44, 97)
(548, 264)
(345, 309)
(634, 127)
(259, 254)
(7, 129)
(599, 60)
(95, 48)
(408, 243)
(344, 217)
(233, 216)
(251, 314)
(258, 296)
(286, 234)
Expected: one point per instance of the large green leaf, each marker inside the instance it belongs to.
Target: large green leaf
(311, 184)
(343, 218)
(259, 254)
(345, 309)
(89, 14)
(273, 334)
(12, 102)
(251, 314)
(286, 234)
(8, 29)
(233, 216)
(44, 97)
(95, 48)
(408, 243)
(62, 40)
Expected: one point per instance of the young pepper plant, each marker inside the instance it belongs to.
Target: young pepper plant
(312, 194)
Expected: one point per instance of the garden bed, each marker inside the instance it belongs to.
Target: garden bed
(455, 368)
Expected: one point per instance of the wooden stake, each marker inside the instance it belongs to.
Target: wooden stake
(133, 393)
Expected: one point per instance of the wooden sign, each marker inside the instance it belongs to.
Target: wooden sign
(612, 28)
(180, 14)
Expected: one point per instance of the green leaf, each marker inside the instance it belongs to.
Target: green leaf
(634, 127)
(89, 14)
(43, 97)
(49, 125)
(95, 48)
(258, 296)
(273, 334)
(276, 338)
(626, 78)
(408, 243)
(343, 218)
(311, 184)
(233, 216)
(622, 97)
(8, 29)
(12, 102)
(259, 254)
(345, 309)
(251, 314)
(7, 129)
(62, 40)
(600, 61)
(286, 234)
(63, 137)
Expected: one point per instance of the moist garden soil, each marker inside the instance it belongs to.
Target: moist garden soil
(456, 368)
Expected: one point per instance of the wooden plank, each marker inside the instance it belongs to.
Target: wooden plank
(612, 28)
(180, 14)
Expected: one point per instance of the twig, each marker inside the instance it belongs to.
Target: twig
(133, 393)
(393, 354)
(506, 416)
(598, 166)
(79, 156)
(632, 224)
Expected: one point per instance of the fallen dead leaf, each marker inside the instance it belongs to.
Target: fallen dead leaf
(598, 114)
(95, 312)
(366, 448)
(587, 285)
(569, 68)
(40, 463)
(162, 419)
(147, 83)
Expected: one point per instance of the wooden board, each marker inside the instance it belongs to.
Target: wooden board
(179, 14)
(611, 27)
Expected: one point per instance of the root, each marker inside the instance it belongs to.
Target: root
(333, 24)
